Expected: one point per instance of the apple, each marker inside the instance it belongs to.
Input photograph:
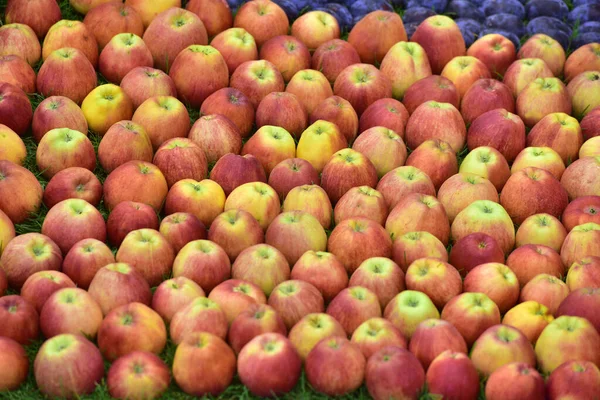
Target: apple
(234, 296)
(547, 290)
(402, 181)
(464, 71)
(321, 371)
(539, 157)
(530, 317)
(255, 320)
(566, 339)
(68, 366)
(582, 90)
(287, 53)
(123, 53)
(262, 19)
(217, 136)
(433, 120)
(137, 181)
(57, 112)
(346, 169)
(109, 19)
(389, 113)
(584, 373)
(353, 306)
(84, 6)
(583, 273)
(362, 85)
(104, 106)
(294, 299)
(131, 327)
(215, 14)
(15, 108)
(16, 179)
(174, 295)
(541, 97)
(415, 245)
(201, 315)
(310, 87)
(263, 265)
(41, 285)
(270, 145)
(495, 51)
(149, 11)
(441, 39)
(560, 132)
(475, 249)
(408, 309)
(323, 270)
(453, 375)
(118, 284)
(181, 158)
(581, 242)
(210, 73)
(580, 211)
(434, 277)
(40, 15)
(129, 216)
(394, 372)
(471, 313)
(319, 142)
(261, 356)
(435, 158)
(583, 59)
(383, 147)
(132, 141)
(333, 56)
(258, 198)
(486, 95)
(583, 170)
(232, 104)
(20, 40)
(460, 190)
(282, 109)
(524, 71)
(14, 366)
(311, 199)
(72, 34)
(142, 83)
(375, 334)
(495, 280)
(545, 48)
(312, 329)
(203, 364)
(181, 228)
(590, 148)
(525, 383)
(488, 163)
(405, 63)
(73, 182)
(21, 319)
(430, 88)
(16, 71)
(257, 79)
(579, 303)
(138, 375)
(64, 148)
(84, 260)
(315, 28)
(292, 173)
(235, 231)
(70, 310)
(361, 201)
(433, 337)
(530, 260)
(172, 31)
(204, 199)
(7, 233)
(589, 125)
(163, 118)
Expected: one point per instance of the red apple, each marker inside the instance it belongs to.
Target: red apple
(294, 299)
(560, 132)
(181, 228)
(121, 55)
(383, 147)
(394, 372)
(323, 270)
(179, 159)
(62, 148)
(21, 321)
(404, 64)
(310, 87)
(460, 190)
(232, 104)
(57, 112)
(361, 201)
(432, 338)
(234, 296)
(41, 285)
(415, 245)
(432, 88)
(256, 79)
(40, 15)
(129, 216)
(453, 375)
(583, 59)
(486, 95)
(215, 14)
(15, 108)
(137, 375)
(132, 141)
(362, 85)
(433, 120)
(464, 71)
(263, 19)
(584, 374)
(163, 118)
(581, 178)
(84, 260)
(204, 199)
(402, 181)
(200, 315)
(388, 113)
(353, 306)
(541, 97)
(270, 145)
(14, 366)
(174, 295)
(20, 40)
(495, 51)
(291, 173)
(109, 19)
(547, 290)
(284, 110)
(217, 136)
(580, 303)
(235, 231)
(525, 383)
(580, 211)
(544, 47)
(333, 56)
(315, 28)
(16, 179)
(73, 183)
(583, 273)
(338, 111)
(583, 91)
(539, 157)
(581, 242)
(440, 37)
(142, 83)
(72, 34)
(495, 280)
(475, 249)
(524, 71)
(439, 280)
(255, 320)
(436, 159)
(347, 169)
(375, 334)
(262, 265)
(471, 314)
(16, 71)
(287, 53)
(589, 124)
(530, 260)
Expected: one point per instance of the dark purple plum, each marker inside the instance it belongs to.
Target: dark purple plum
(436, 5)
(491, 7)
(507, 22)
(417, 15)
(546, 8)
(469, 29)
(464, 9)
(585, 13)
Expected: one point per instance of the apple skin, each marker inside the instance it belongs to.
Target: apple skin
(583, 92)
(172, 31)
(486, 95)
(437, 279)
(471, 313)
(584, 274)
(215, 14)
(232, 171)
(544, 47)
(232, 104)
(149, 11)
(321, 140)
(7, 233)
(270, 145)
(333, 56)
(383, 147)
(71, 33)
(524, 71)
(346, 169)
(433, 337)
(560, 132)
(495, 51)
(394, 372)
(589, 148)
(262, 356)
(579, 303)
(583, 170)
(291, 173)
(14, 366)
(17, 179)
(174, 295)
(389, 113)
(132, 141)
(41, 285)
(287, 53)
(581, 242)
(201, 315)
(402, 181)
(361, 201)
(262, 19)
(258, 198)
(311, 199)
(217, 136)
(68, 366)
(530, 317)
(254, 321)
(138, 375)
(181, 158)
(312, 329)
(433, 120)
(570, 338)
(589, 124)
(353, 306)
(21, 319)
(460, 190)
(62, 148)
(262, 265)
(405, 63)
(539, 157)
(73, 183)
(15, 70)
(124, 52)
(488, 163)
(204, 199)
(15, 109)
(20, 40)
(163, 118)
(210, 72)
(310, 87)
(39, 15)
(104, 106)
(235, 231)
(530, 260)
(235, 295)
(441, 39)
(475, 249)
(435, 158)
(323, 373)
(257, 79)
(213, 365)
(452, 375)
(415, 245)
(57, 112)
(181, 228)
(432, 88)
(541, 97)
(72, 220)
(142, 83)
(375, 34)
(84, 6)
(408, 309)
(547, 290)
(284, 110)
(525, 383)
(583, 59)
(70, 310)
(315, 28)
(108, 19)
(84, 260)
(375, 334)
(323, 270)
(495, 280)
(362, 85)
(129, 216)
(585, 373)
(464, 71)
